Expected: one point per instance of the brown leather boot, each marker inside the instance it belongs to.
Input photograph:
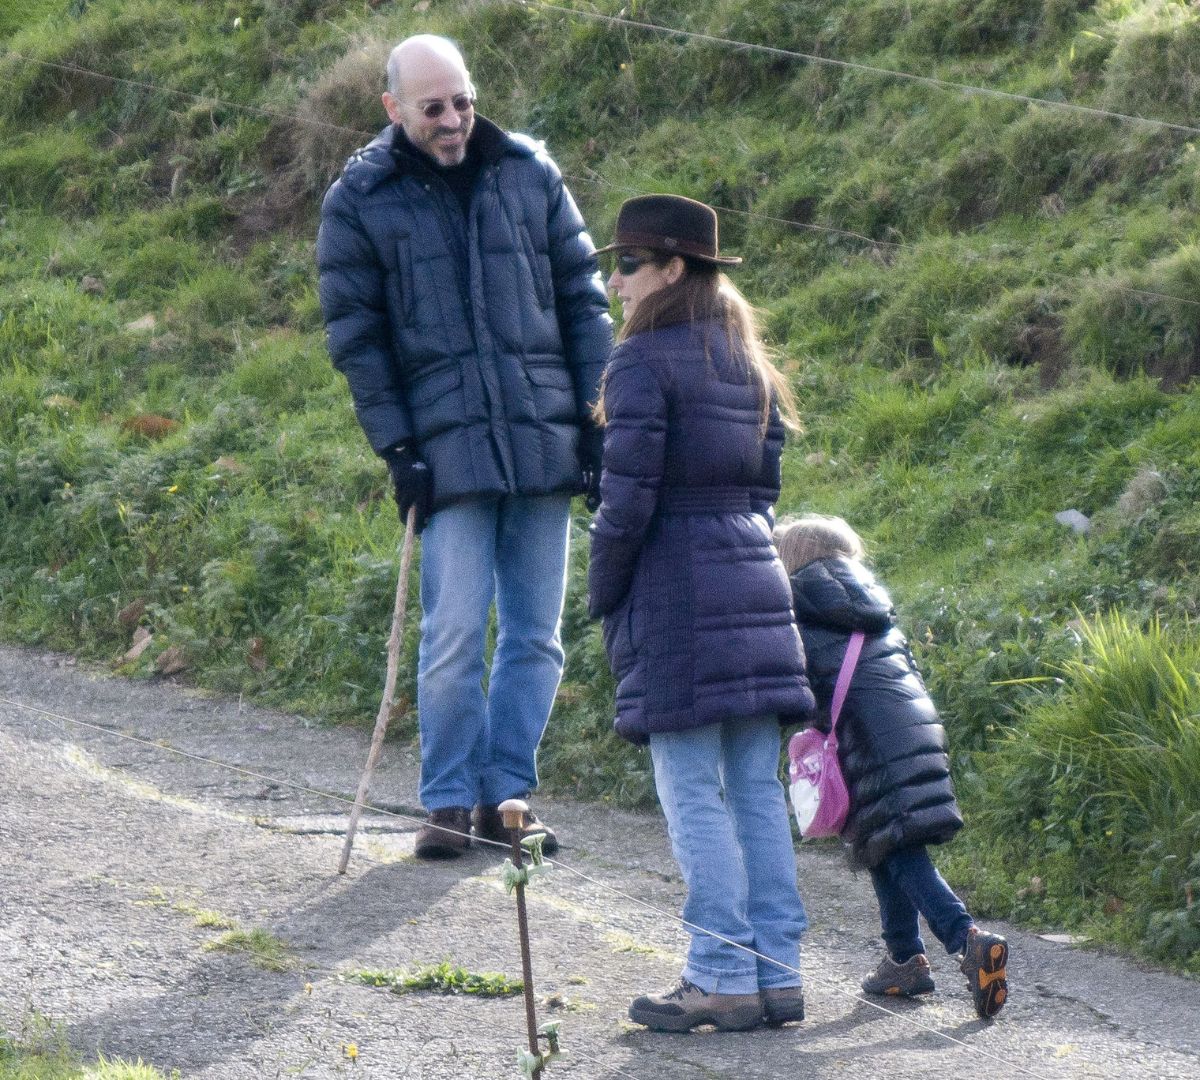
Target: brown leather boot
(782, 1004)
(446, 835)
(489, 825)
(685, 1006)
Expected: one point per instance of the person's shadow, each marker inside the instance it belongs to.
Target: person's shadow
(892, 1011)
(223, 1003)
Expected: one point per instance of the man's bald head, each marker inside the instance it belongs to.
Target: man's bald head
(419, 56)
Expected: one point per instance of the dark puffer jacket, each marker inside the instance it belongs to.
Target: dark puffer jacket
(479, 337)
(891, 745)
(697, 614)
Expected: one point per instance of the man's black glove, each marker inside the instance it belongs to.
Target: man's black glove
(591, 451)
(411, 481)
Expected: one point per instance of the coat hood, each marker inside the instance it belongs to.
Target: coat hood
(841, 594)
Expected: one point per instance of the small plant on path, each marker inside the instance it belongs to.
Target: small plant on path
(262, 947)
(443, 978)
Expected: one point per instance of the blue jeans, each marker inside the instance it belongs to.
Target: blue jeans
(728, 820)
(477, 746)
(907, 882)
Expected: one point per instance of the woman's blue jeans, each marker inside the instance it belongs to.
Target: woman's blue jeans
(479, 746)
(728, 820)
(907, 882)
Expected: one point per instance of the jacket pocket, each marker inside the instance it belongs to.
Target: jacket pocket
(405, 290)
(617, 632)
(430, 386)
(550, 377)
(539, 268)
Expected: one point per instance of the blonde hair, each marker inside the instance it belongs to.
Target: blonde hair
(701, 294)
(815, 536)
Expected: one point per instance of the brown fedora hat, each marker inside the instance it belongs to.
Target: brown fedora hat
(670, 223)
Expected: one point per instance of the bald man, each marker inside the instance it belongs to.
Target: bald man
(463, 303)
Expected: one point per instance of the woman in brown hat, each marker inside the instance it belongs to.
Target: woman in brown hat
(697, 609)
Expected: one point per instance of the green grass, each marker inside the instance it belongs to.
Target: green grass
(443, 978)
(206, 918)
(40, 1052)
(1097, 786)
(261, 947)
(994, 360)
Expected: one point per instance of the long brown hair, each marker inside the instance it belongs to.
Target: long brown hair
(703, 293)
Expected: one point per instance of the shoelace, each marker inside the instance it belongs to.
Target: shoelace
(681, 988)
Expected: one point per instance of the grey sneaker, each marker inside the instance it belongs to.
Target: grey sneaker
(782, 1004)
(985, 964)
(900, 980)
(685, 1006)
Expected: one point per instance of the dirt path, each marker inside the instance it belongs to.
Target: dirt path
(114, 855)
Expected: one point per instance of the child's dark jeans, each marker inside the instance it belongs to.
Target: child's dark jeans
(907, 882)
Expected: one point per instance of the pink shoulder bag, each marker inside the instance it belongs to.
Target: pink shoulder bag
(819, 796)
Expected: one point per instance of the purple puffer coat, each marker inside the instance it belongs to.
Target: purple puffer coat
(697, 608)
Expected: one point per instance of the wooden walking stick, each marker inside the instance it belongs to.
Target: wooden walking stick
(389, 685)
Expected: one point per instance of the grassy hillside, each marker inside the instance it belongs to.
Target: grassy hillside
(990, 310)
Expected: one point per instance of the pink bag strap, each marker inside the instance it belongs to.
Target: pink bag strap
(849, 663)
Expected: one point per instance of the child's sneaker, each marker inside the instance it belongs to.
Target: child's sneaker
(985, 963)
(901, 980)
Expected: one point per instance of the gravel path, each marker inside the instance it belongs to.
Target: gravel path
(123, 864)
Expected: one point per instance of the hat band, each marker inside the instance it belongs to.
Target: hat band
(665, 243)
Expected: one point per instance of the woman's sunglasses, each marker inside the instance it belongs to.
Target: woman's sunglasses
(462, 103)
(629, 264)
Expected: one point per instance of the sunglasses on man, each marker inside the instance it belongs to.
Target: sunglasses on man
(431, 110)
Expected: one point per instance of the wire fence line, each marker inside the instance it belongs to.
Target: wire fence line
(970, 89)
(876, 244)
(850, 65)
(849, 234)
(896, 245)
(943, 84)
(47, 714)
(187, 95)
(362, 133)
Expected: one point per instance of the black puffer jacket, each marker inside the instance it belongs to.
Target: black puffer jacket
(891, 745)
(480, 337)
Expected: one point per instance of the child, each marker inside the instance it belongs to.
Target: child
(892, 750)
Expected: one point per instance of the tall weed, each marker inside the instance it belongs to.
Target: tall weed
(1103, 772)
